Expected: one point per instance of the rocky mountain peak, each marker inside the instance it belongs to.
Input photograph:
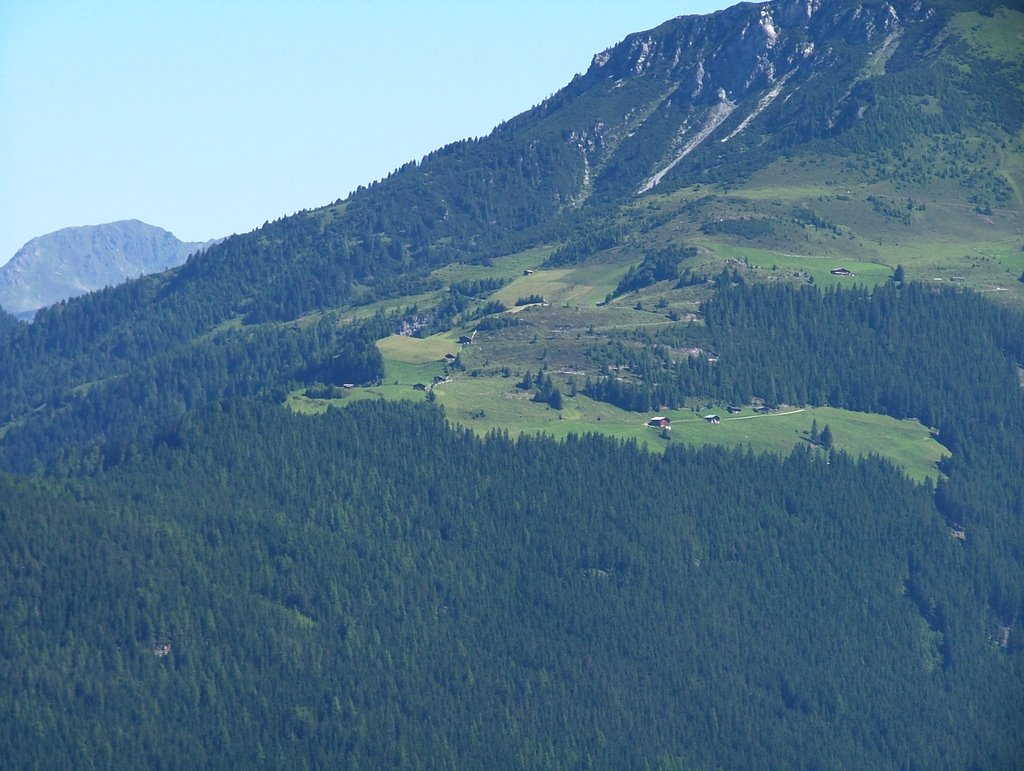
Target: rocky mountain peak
(697, 78)
(733, 44)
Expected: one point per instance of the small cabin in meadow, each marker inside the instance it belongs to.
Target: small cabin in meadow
(659, 421)
(841, 272)
(465, 340)
(712, 419)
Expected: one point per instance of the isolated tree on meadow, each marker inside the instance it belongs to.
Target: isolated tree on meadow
(826, 437)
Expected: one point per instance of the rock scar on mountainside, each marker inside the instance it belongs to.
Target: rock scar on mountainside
(716, 117)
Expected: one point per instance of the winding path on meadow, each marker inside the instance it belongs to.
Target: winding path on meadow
(748, 417)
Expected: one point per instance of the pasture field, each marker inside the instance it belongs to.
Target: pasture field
(409, 360)
(483, 396)
(415, 350)
(485, 404)
(873, 223)
(983, 265)
(356, 312)
(493, 402)
(585, 285)
(864, 272)
(509, 266)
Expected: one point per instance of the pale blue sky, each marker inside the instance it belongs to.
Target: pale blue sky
(208, 117)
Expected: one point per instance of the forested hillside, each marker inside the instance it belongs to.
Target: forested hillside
(781, 205)
(370, 588)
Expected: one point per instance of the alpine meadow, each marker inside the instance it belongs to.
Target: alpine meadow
(678, 423)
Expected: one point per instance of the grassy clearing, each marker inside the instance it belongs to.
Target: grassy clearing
(387, 306)
(982, 266)
(409, 360)
(555, 337)
(792, 193)
(485, 404)
(302, 404)
(587, 285)
(405, 374)
(868, 273)
(509, 266)
(415, 350)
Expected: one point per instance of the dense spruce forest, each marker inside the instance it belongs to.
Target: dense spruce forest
(372, 588)
(197, 573)
(7, 322)
(239, 584)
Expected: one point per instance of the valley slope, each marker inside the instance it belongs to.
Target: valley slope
(804, 219)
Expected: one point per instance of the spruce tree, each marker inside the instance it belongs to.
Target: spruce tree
(826, 437)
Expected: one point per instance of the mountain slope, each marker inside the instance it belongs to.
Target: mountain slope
(748, 83)
(801, 112)
(867, 106)
(415, 597)
(707, 224)
(878, 102)
(73, 261)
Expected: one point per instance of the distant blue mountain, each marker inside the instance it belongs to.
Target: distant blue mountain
(73, 261)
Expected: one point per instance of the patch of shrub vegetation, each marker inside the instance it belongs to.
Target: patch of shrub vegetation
(746, 227)
(804, 216)
(662, 265)
(532, 299)
(586, 244)
(689, 278)
(491, 323)
(478, 287)
(889, 209)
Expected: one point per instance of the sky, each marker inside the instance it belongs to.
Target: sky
(210, 117)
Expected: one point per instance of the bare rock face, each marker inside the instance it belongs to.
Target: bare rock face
(74, 261)
(745, 48)
(749, 71)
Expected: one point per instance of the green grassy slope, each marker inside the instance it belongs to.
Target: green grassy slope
(492, 402)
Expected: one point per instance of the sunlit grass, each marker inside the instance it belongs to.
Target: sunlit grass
(586, 285)
(864, 272)
(485, 404)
